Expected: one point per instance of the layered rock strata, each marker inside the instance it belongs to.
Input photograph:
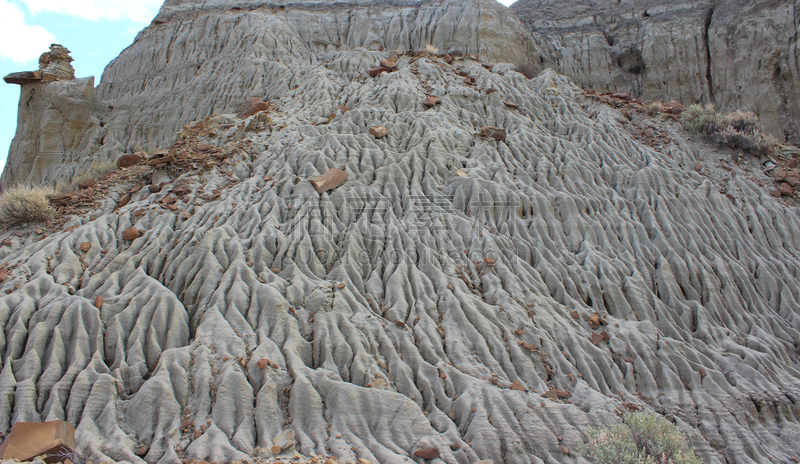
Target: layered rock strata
(733, 53)
(503, 269)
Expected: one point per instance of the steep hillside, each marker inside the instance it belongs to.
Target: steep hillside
(736, 54)
(506, 265)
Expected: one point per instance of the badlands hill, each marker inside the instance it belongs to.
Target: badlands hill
(507, 267)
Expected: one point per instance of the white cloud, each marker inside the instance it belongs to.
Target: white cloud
(138, 11)
(21, 42)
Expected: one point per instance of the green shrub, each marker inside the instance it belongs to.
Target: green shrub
(739, 129)
(703, 120)
(642, 439)
(19, 205)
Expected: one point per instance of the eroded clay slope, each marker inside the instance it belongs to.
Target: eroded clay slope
(736, 54)
(202, 58)
(396, 312)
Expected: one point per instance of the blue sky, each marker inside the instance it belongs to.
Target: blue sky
(95, 31)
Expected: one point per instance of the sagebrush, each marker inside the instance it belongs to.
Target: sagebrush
(739, 129)
(641, 439)
(21, 205)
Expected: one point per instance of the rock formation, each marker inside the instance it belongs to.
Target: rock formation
(737, 54)
(58, 121)
(502, 269)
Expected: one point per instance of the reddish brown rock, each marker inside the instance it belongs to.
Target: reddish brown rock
(85, 184)
(431, 101)
(493, 132)
(3, 274)
(776, 193)
(276, 450)
(130, 234)
(575, 315)
(674, 107)
(127, 161)
(154, 188)
(787, 189)
(263, 363)
(556, 394)
(379, 131)
(599, 337)
(85, 246)
(390, 62)
(331, 179)
(124, 200)
(469, 80)
(515, 385)
(511, 104)
(596, 321)
(792, 178)
(377, 71)
(98, 302)
(779, 175)
(28, 440)
(427, 453)
(250, 107)
(142, 450)
(162, 160)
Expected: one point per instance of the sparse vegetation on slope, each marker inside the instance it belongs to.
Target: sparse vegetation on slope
(642, 439)
(738, 129)
(20, 205)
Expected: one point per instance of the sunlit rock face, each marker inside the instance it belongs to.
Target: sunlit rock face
(736, 54)
(427, 302)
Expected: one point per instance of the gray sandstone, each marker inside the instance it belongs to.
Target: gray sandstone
(393, 313)
(736, 54)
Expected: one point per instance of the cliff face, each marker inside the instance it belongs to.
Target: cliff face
(733, 53)
(198, 59)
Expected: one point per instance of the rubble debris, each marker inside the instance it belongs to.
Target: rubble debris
(331, 179)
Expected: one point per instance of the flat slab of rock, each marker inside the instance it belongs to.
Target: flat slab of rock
(331, 179)
(28, 440)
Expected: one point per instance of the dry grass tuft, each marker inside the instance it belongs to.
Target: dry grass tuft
(737, 129)
(20, 205)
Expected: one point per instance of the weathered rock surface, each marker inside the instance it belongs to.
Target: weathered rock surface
(737, 54)
(179, 70)
(58, 128)
(465, 297)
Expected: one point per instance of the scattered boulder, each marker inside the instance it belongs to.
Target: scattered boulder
(431, 101)
(331, 179)
(130, 234)
(511, 104)
(427, 453)
(126, 161)
(793, 178)
(492, 132)
(379, 131)
(599, 337)
(516, 385)
(28, 440)
(88, 183)
(124, 200)
(377, 71)
(555, 394)
(786, 189)
(251, 106)
(98, 302)
(390, 62)
(85, 246)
